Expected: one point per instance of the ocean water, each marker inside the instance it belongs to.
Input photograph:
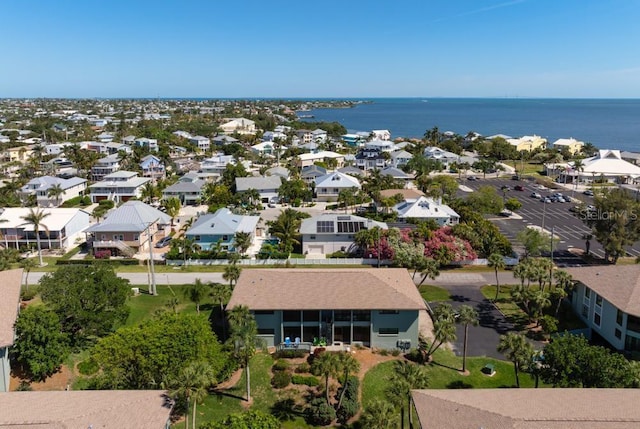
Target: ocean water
(607, 123)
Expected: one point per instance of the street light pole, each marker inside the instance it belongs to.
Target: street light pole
(544, 210)
(152, 288)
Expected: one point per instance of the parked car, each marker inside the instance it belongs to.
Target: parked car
(536, 195)
(546, 200)
(519, 188)
(472, 178)
(588, 192)
(505, 188)
(163, 242)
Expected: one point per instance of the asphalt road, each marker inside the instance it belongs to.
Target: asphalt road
(567, 226)
(161, 278)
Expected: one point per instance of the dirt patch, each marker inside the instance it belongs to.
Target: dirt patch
(61, 380)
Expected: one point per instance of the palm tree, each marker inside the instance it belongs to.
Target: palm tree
(192, 383)
(173, 207)
(444, 328)
(467, 315)
(242, 241)
(27, 264)
(244, 337)
(326, 365)
(232, 274)
(149, 192)
(348, 365)
(430, 269)
(496, 261)
(286, 227)
(379, 414)
(406, 377)
(35, 219)
(189, 247)
(517, 350)
(196, 292)
(220, 293)
(578, 166)
(55, 192)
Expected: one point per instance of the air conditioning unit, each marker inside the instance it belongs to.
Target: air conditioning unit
(135, 290)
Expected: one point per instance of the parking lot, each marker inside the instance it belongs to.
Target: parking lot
(568, 227)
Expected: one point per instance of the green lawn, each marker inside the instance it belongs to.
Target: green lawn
(512, 311)
(144, 305)
(434, 293)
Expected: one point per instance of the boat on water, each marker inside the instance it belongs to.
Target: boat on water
(306, 116)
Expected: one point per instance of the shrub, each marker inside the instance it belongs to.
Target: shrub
(281, 379)
(320, 413)
(107, 204)
(303, 367)
(338, 254)
(290, 354)
(348, 409)
(309, 380)
(395, 352)
(88, 367)
(383, 352)
(28, 295)
(351, 389)
(102, 254)
(415, 355)
(280, 365)
(86, 200)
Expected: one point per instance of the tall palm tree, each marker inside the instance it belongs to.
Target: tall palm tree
(173, 207)
(444, 328)
(55, 192)
(244, 337)
(516, 348)
(578, 166)
(379, 414)
(348, 365)
(406, 377)
(27, 264)
(326, 365)
(467, 315)
(286, 227)
(35, 218)
(149, 192)
(220, 293)
(196, 293)
(231, 274)
(192, 384)
(430, 269)
(496, 261)
(242, 241)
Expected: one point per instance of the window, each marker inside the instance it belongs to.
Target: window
(361, 315)
(617, 333)
(258, 312)
(325, 226)
(342, 315)
(596, 319)
(266, 331)
(598, 300)
(136, 237)
(619, 317)
(311, 316)
(388, 312)
(585, 311)
(225, 238)
(197, 238)
(633, 323)
(291, 316)
(587, 293)
(313, 237)
(388, 331)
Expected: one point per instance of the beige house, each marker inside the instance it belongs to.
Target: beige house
(572, 145)
(528, 143)
(104, 409)
(239, 125)
(10, 283)
(527, 408)
(19, 154)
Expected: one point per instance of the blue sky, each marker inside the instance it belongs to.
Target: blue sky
(327, 48)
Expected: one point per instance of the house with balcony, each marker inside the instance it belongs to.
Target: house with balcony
(10, 285)
(116, 147)
(105, 166)
(328, 187)
(119, 187)
(311, 172)
(129, 229)
(305, 136)
(528, 143)
(214, 166)
(307, 159)
(607, 299)
(18, 153)
(152, 167)
(188, 189)
(329, 233)
(220, 228)
(319, 136)
(152, 144)
(239, 125)
(63, 228)
(372, 159)
(267, 186)
(445, 157)
(353, 140)
(400, 158)
(571, 145)
(40, 187)
(424, 208)
(346, 307)
(203, 144)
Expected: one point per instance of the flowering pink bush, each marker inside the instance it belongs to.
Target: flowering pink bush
(103, 254)
(445, 246)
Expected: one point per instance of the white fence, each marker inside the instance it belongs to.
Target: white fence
(292, 261)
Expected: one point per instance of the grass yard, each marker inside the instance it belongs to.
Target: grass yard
(144, 305)
(434, 293)
(511, 310)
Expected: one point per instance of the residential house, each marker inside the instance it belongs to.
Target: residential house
(105, 166)
(528, 143)
(372, 159)
(347, 307)
(56, 148)
(305, 136)
(202, 143)
(353, 140)
(328, 187)
(352, 171)
(152, 144)
(215, 166)
(311, 172)
(307, 159)
(318, 135)
(223, 140)
(188, 189)
(572, 145)
(380, 145)
(607, 165)
(182, 134)
(119, 186)
(115, 147)
(400, 158)
(283, 172)
(607, 299)
(266, 148)
(63, 228)
(632, 157)
(424, 208)
(177, 151)
(267, 186)
(239, 125)
(10, 284)
(328, 233)
(18, 154)
(98, 147)
(152, 167)
(104, 409)
(397, 174)
(526, 408)
(270, 136)
(381, 135)
(129, 140)
(445, 157)
(40, 186)
(131, 228)
(220, 228)
(104, 138)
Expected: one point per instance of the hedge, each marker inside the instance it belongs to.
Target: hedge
(307, 380)
(115, 262)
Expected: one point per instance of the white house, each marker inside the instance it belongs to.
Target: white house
(119, 186)
(267, 186)
(400, 158)
(319, 136)
(607, 165)
(152, 144)
(329, 233)
(307, 159)
(424, 208)
(239, 125)
(215, 166)
(40, 186)
(328, 187)
(202, 143)
(104, 166)
(381, 134)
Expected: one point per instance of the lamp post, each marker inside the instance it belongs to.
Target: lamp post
(544, 211)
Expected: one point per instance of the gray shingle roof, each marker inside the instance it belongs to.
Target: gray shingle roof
(257, 183)
(132, 216)
(223, 222)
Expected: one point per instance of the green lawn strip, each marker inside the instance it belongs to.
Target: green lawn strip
(511, 310)
(434, 293)
(144, 305)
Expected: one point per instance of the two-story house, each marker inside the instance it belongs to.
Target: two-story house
(188, 189)
(328, 187)
(203, 144)
(105, 166)
(40, 188)
(119, 186)
(152, 144)
(372, 159)
(267, 186)
(152, 167)
(329, 233)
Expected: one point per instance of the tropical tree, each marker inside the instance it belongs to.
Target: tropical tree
(232, 274)
(286, 227)
(35, 218)
(244, 337)
(517, 350)
(220, 293)
(27, 264)
(348, 365)
(149, 192)
(326, 365)
(406, 376)
(242, 241)
(379, 414)
(191, 384)
(444, 328)
(196, 293)
(430, 269)
(496, 261)
(55, 192)
(173, 207)
(467, 315)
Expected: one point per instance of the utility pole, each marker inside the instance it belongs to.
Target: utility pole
(551, 254)
(152, 287)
